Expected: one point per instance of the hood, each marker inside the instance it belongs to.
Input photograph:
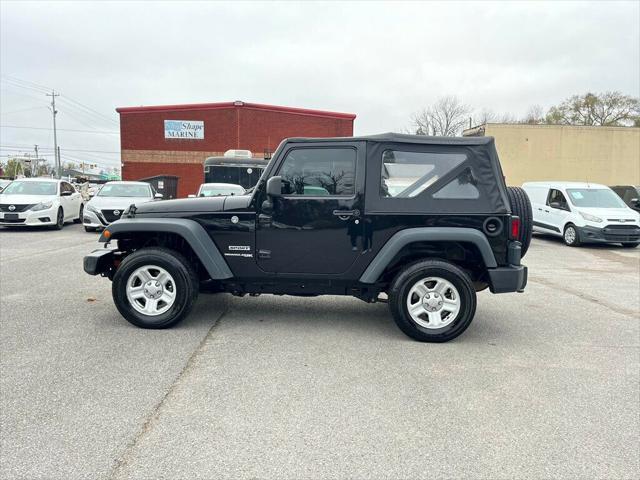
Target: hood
(120, 203)
(201, 204)
(610, 214)
(25, 199)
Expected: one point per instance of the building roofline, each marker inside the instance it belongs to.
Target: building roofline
(236, 104)
(547, 126)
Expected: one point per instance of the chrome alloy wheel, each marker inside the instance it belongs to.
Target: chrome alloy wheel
(570, 235)
(433, 302)
(151, 290)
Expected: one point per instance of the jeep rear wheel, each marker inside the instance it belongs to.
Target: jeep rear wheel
(521, 206)
(155, 288)
(432, 301)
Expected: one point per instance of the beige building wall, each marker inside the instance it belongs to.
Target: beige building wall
(607, 155)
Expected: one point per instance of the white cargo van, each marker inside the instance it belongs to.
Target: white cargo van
(582, 213)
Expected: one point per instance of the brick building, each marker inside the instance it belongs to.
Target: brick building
(175, 140)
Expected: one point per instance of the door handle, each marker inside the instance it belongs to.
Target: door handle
(345, 214)
(540, 209)
(547, 211)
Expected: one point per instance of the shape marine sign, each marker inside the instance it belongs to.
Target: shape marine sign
(184, 129)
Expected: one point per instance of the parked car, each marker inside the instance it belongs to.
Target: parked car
(454, 229)
(40, 201)
(3, 184)
(630, 194)
(113, 199)
(218, 189)
(583, 213)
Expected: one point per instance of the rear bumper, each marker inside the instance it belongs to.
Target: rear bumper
(507, 279)
(98, 262)
(609, 234)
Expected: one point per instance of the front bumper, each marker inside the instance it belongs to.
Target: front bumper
(91, 219)
(29, 218)
(98, 262)
(609, 234)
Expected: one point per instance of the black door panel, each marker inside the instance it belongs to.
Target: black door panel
(316, 226)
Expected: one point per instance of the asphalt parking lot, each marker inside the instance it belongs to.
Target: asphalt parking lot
(543, 384)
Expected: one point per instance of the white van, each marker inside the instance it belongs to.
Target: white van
(582, 213)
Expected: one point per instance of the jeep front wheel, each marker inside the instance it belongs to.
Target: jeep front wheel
(432, 301)
(155, 288)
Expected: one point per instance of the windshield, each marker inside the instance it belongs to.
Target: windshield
(31, 188)
(124, 190)
(215, 190)
(591, 198)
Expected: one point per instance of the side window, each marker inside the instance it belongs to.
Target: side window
(462, 187)
(557, 197)
(319, 172)
(408, 174)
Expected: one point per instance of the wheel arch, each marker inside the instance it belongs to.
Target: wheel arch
(403, 241)
(190, 231)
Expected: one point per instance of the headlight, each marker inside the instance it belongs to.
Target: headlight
(590, 218)
(41, 206)
(91, 208)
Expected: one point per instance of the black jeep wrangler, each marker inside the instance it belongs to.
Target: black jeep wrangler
(422, 223)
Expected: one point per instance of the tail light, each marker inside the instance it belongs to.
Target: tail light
(514, 232)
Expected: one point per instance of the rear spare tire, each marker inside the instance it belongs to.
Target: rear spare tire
(521, 206)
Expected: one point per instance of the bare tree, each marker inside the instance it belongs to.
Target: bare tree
(534, 116)
(605, 109)
(484, 116)
(447, 117)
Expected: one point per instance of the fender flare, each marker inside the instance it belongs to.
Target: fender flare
(426, 234)
(192, 232)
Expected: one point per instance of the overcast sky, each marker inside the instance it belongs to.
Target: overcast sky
(381, 61)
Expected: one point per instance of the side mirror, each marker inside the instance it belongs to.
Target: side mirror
(66, 193)
(191, 196)
(158, 196)
(555, 205)
(92, 194)
(274, 187)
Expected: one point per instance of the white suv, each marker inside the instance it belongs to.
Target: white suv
(583, 213)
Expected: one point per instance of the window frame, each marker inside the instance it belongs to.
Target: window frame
(566, 207)
(324, 146)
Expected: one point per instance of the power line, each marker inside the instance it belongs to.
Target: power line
(95, 112)
(59, 129)
(15, 145)
(33, 85)
(22, 110)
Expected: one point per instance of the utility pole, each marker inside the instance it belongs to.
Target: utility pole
(34, 171)
(56, 151)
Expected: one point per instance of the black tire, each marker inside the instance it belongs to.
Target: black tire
(521, 206)
(184, 276)
(630, 244)
(407, 278)
(59, 219)
(89, 229)
(576, 236)
(79, 219)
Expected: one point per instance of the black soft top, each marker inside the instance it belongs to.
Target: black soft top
(400, 138)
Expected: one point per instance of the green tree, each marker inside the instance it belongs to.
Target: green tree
(601, 109)
(12, 168)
